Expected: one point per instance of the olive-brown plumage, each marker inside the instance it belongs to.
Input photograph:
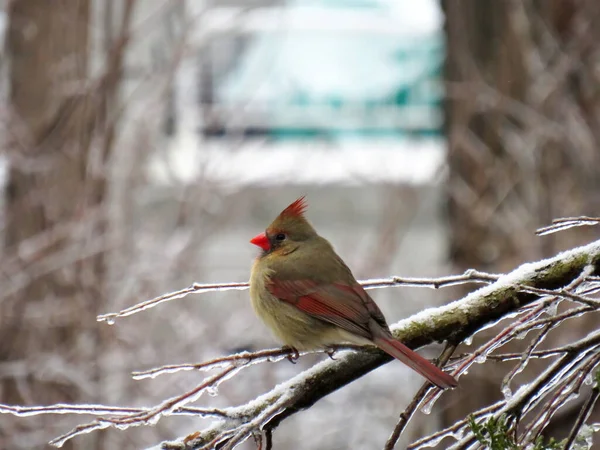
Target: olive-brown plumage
(308, 297)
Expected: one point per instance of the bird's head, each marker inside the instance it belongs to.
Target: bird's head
(287, 230)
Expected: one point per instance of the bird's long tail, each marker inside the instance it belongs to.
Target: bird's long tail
(416, 362)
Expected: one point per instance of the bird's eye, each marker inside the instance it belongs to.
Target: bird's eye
(280, 237)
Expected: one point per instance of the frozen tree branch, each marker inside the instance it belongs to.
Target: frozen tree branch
(567, 222)
(417, 399)
(470, 276)
(527, 294)
(584, 413)
(578, 363)
(453, 322)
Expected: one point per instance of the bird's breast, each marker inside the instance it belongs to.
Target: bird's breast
(292, 326)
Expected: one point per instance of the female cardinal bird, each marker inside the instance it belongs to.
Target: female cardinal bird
(309, 298)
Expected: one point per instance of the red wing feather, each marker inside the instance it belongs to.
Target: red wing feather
(336, 303)
(351, 308)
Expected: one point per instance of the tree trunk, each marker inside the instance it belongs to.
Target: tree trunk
(55, 236)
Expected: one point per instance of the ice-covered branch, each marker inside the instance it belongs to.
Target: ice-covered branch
(528, 295)
(407, 414)
(453, 322)
(565, 223)
(470, 276)
(585, 412)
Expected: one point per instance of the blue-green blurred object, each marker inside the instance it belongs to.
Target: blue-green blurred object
(342, 68)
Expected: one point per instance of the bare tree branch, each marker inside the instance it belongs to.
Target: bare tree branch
(452, 322)
(567, 222)
(412, 407)
(527, 292)
(583, 414)
(470, 276)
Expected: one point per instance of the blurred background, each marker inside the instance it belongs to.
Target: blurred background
(144, 142)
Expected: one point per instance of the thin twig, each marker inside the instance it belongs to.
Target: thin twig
(498, 340)
(583, 415)
(591, 341)
(454, 428)
(525, 356)
(533, 393)
(407, 414)
(450, 322)
(239, 359)
(566, 223)
(193, 289)
(568, 386)
(96, 410)
(146, 416)
(562, 293)
(470, 276)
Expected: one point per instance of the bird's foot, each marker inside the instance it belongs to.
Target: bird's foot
(330, 352)
(293, 354)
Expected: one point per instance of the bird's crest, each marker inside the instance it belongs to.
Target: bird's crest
(292, 221)
(296, 209)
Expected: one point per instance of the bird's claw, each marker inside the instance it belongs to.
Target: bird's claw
(293, 354)
(330, 352)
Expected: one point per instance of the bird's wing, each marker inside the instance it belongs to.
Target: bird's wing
(347, 306)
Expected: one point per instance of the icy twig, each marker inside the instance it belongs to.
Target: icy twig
(452, 322)
(592, 340)
(149, 416)
(538, 323)
(407, 414)
(529, 321)
(470, 276)
(504, 336)
(565, 389)
(97, 410)
(530, 395)
(525, 357)
(260, 422)
(455, 429)
(238, 359)
(140, 416)
(481, 353)
(193, 289)
(567, 222)
(565, 294)
(583, 414)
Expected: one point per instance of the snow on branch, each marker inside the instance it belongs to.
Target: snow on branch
(528, 296)
(454, 323)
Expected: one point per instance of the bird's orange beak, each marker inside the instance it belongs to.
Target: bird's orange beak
(262, 241)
